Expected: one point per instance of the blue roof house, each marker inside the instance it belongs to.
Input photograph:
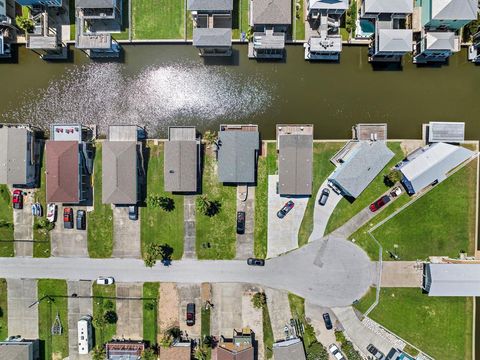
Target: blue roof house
(448, 14)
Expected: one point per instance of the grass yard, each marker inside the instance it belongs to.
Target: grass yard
(6, 222)
(261, 209)
(239, 18)
(322, 167)
(100, 220)
(158, 19)
(157, 225)
(440, 326)
(346, 210)
(299, 18)
(71, 15)
(297, 308)
(3, 309)
(41, 246)
(151, 292)
(442, 222)
(219, 230)
(267, 333)
(205, 328)
(272, 165)
(103, 299)
(52, 346)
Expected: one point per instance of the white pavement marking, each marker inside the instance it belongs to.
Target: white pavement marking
(22, 318)
(77, 307)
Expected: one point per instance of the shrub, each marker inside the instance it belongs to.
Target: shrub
(110, 317)
(98, 353)
(259, 300)
(317, 351)
(148, 354)
(24, 23)
(392, 177)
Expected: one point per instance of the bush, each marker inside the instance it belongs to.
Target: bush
(98, 353)
(149, 305)
(392, 178)
(350, 351)
(99, 322)
(24, 23)
(317, 351)
(210, 137)
(148, 354)
(259, 300)
(208, 207)
(110, 317)
(108, 305)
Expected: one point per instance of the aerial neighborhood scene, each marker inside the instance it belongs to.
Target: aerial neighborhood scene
(239, 179)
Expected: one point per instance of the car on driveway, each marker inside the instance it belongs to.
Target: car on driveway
(285, 209)
(36, 209)
(379, 203)
(51, 212)
(336, 352)
(81, 220)
(327, 321)
(255, 262)
(375, 352)
(240, 222)
(133, 212)
(17, 199)
(190, 314)
(335, 189)
(105, 280)
(67, 218)
(324, 197)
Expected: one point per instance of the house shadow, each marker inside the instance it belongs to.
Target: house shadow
(233, 60)
(386, 66)
(13, 59)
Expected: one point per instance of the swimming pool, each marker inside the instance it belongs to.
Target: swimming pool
(365, 28)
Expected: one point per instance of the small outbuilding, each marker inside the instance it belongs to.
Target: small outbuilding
(451, 279)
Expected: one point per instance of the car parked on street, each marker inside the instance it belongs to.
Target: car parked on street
(327, 321)
(240, 222)
(81, 220)
(133, 212)
(17, 199)
(324, 197)
(285, 209)
(67, 218)
(51, 212)
(255, 262)
(379, 203)
(105, 280)
(190, 314)
(375, 352)
(336, 352)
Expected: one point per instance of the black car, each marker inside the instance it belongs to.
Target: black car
(327, 321)
(285, 209)
(256, 262)
(375, 352)
(324, 197)
(240, 222)
(190, 320)
(81, 220)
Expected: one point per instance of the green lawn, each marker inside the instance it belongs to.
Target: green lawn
(104, 297)
(346, 210)
(53, 346)
(205, 327)
(261, 208)
(239, 18)
(297, 308)
(219, 230)
(157, 225)
(189, 26)
(299, 17)
(442, 222)
(158, 19)
(100, 220)
(440, 326)
(322, 167)
(151, 293)
(6, 219)
(267, 333)
(41, 246)
(3, 309)
(344, 33)
(272, 165)
(71, 14)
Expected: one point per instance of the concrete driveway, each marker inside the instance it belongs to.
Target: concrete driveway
(68, 242)
(22, 319)
(168, 308)
(130, 311)
(126, 234)
(253, 318)
(226, 314)
(23, 227)
(78, 307)
(282, 233)
(314, 315)
(189, 293)
(402, 274)
(245, 241)
(279, 311)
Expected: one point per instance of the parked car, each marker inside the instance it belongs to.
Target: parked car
(396, 191)
(327, 321)
(334, 188)
(81, 220)
(17, 199)
(190, 314)
(68, 218)
(379, 203)
(240, 222)
(285, 209)
(133, 212)
(51, 212)
(105, 280)
(37, 210)
(375, 352)
(324, 197)
(336, 352)
(255, 262)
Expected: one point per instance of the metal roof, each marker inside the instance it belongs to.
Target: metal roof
(215, 37)
(432, 163)
(289, 349)
(452, 279)
(182, 133)
(446, 132)
(395, 40)
(328, 4)
(439, 40)
(119, 172)
(95, 4)
(180, 167)
(271, 12)
(123, 133)
(62, 175)
(13, 155)
(295, 162)
(210, 5)
(364, 163)
(389, 6)
(237, 156)
(454, 9)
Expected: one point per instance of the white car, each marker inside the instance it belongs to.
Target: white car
(51, 212)
(102, 280)
(336, 352)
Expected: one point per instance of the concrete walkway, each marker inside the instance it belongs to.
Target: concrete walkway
(401, 274)
(279, 311)
(130, 311)
(22, 319)
(77, 307)
(245, 242)
(68, 242)
(23, 228)
(226, 314)
(189, 251)
(126, 234)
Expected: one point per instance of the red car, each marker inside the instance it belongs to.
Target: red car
(379, 203)
(17, 199)
(68, 218)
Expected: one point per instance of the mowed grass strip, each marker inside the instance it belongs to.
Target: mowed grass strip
(41, 246)
(300, 20)
(6, 217)
(52, 295)
(267, 333)
(158, 19)
(151, 292)
(219, 230)
(261, 209)
(440, 326)
(100, 220)
(205, 328)
(157, 225)
(3, 309)
(104, 298)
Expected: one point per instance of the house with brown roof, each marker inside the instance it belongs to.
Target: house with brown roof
(239, 348)
(178, 351)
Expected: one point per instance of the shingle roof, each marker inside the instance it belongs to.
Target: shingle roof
(237, 156)
(437, 40)
(119, 172)
(328, 4)
(452, 279)
(454, 9)
(13, 155)
(210, 5)
(181, 165)
(395, 40)
(62, 175)
(288, 350)
(274, 12)
(446, 132)
(295, 164)
(240, 354)
(216, 37)
(176, 353)
(389, 6)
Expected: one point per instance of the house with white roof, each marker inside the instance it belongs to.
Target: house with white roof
(446, 279)
(447, 14)
(436, 46)
(375, 8)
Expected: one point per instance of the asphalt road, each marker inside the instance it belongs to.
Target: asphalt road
(328, 272)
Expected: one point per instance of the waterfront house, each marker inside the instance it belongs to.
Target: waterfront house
(449, 132)
(445, 15)
(96, 20)
(240, 347)
(51, 3)
(325, 42)
(397, 9)
(45, 40)
(237, 153)
(181, 167)
(295, 159)
(446, 279)
(7, 31)
(270, 21)
(289, 349)
(436, 46)
(212, 26)
(17, 155)
(474, 49)
(430, 165)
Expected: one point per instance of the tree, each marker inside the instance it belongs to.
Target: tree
(153, 200)
(210, 137)
(209, 341)
(108, 305)
(166, 341)
(350, 23)
(166, 203)
(98, 353)
(393, 177)
(201, 353)
(148, 354)
(317, 351)
(174, 332)
(25, 23)
(208, 207)
(259, 300)
(149, 260)
(110, 317)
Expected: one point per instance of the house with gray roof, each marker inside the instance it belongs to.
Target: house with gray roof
(447, 14)
(431, 165)
(212, 26)
(237, 153)
(20, 349)
(182, 160)
(436, 46)
(360, 166)
(17, 155)
(270, 21)
(445, 279)
(443, 131)
(374, 8)
(289, 349)
(45, 39)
